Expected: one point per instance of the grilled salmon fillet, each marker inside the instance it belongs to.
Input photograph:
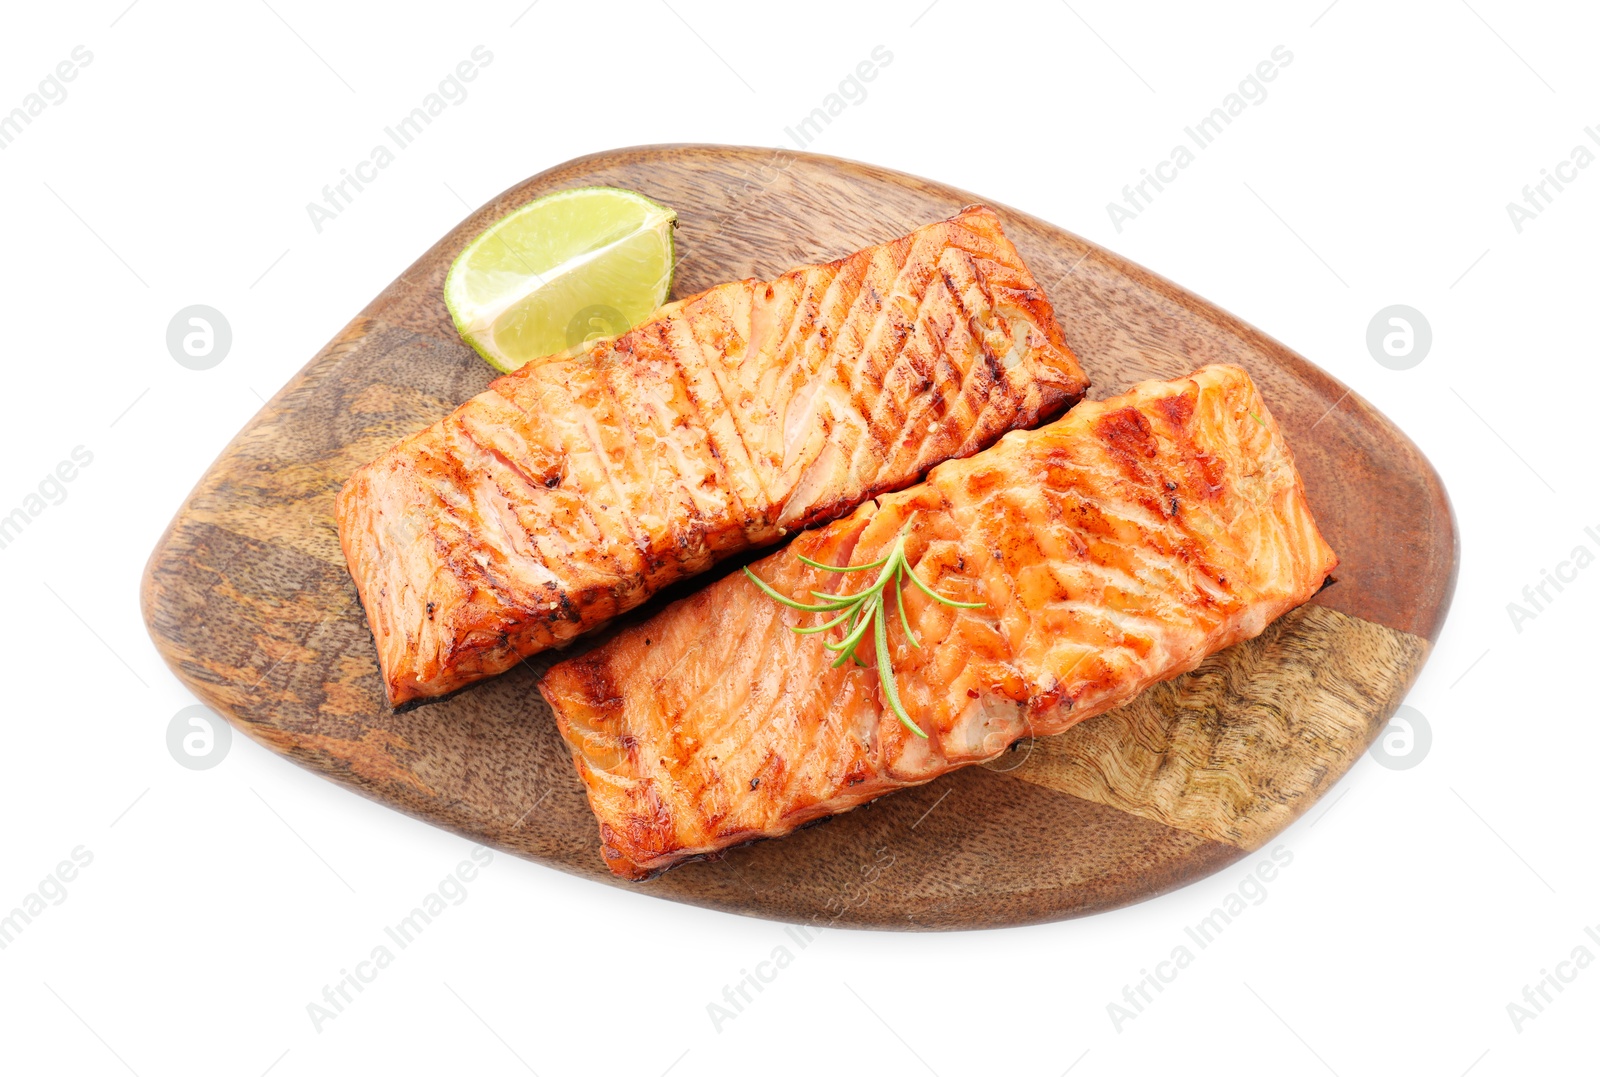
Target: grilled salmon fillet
(576, 487)
(1114, 548)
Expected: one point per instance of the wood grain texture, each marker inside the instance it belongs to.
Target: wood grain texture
(1236, 749)
(249, 601)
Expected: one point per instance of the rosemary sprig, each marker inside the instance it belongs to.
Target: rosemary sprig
(864, 610)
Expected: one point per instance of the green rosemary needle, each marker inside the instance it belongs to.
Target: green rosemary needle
(862, 611)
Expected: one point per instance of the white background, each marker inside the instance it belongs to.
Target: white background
(219, 903)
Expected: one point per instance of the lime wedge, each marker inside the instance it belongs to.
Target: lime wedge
(564, 269)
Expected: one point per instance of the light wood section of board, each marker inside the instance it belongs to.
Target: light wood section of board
(1236, 749)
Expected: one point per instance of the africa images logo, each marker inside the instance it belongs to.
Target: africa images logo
(1252, 90)
(52, 90)
(451, 90)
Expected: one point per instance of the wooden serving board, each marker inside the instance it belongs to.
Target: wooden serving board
(249, 601)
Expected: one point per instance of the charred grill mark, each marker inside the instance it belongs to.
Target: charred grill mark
(979, 395)
(1204, 470)
(796, 677)
(937, 378)
(740, 510)
(1127, 438)
(889, 411)
(1176, 410)
(509, 601)
(468, 541)
(999, 396)
(930, 367)
(853, 274)
(641, 539)
(797, 342)
(679, 373)
(945, 380)
(1211, 475)
(1015, 397)
(983, 278)
(600, 550)
(493, 453)
(867, 382)
(959, 387)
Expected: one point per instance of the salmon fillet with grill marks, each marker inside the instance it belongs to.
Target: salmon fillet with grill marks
(575, 488)
(1114, 548)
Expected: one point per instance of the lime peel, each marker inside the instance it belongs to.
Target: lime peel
(559, 271)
